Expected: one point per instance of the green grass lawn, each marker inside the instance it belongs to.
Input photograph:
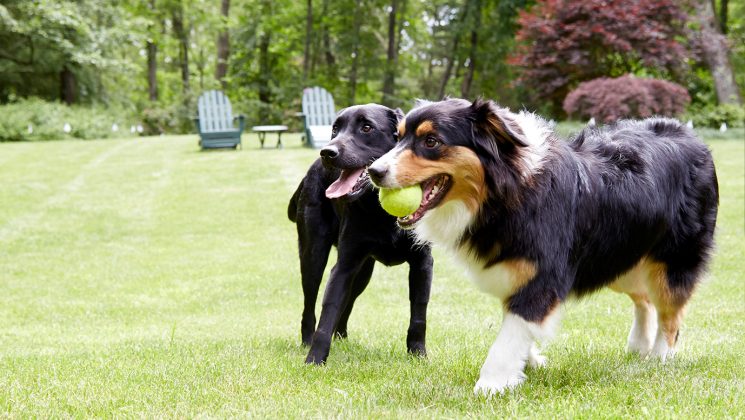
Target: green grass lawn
(145, 278)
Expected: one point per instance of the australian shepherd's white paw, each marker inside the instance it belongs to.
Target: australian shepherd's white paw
(535, 358)
(662, 349)
(489, 385)
(639, 345)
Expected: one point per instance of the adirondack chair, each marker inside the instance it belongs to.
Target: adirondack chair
(318, 115)
(215, 122)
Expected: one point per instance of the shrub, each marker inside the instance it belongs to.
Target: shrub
(47, 120)
(713, 116)
(607, 99)
(565, 42)
(176, 118)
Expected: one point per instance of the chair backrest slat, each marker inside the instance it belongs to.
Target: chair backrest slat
(215, 112)
(318, 106)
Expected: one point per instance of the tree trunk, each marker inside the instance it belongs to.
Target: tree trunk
(355, 52)
(389, 77)
(151, 47)
(223, 46)
(453, 52)
(182, 35)
(465, 88)
(328, 55)
(724, 16)
(152, 70)
(394, 35)
(265, 76)
(716, 55)
(308, 38)
(68, 85)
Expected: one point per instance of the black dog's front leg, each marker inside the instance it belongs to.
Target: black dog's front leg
(359, 284)
(315, 241)
(335, 298)
(420, 282)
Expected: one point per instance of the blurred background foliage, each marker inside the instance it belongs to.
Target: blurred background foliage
(96, 65)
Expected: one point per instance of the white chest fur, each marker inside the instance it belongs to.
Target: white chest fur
(444, 227)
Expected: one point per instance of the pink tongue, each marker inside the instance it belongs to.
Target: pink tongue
(344, 184)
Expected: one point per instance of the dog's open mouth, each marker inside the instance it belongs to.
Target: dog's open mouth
(350, 182)
(433, 191)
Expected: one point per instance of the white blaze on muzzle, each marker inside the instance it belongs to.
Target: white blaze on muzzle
(388, 164)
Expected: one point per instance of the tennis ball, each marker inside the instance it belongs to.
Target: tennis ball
(400, 202)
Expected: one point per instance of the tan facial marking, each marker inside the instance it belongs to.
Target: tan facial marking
(461, 163)
(424, 128)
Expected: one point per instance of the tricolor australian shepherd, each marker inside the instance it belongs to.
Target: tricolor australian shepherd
(335, 205)
(535, 219)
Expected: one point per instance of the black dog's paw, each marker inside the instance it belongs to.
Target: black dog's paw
(314, 359)
(307, 329)
(319, 350)
(417, 349)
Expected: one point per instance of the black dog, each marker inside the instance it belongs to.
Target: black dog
(336, 205)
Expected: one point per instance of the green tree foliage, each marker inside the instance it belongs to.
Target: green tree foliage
(45, 41)
(152, 58)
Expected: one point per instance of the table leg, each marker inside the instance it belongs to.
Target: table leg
(279, 139)
(261, 138)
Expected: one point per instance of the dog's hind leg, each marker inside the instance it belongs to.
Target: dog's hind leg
(669, 291)
(361, 280)
(634, 283)
(644, 326)
(420, 283)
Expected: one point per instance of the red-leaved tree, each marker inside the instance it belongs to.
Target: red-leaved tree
(608, 100)
(565, 42)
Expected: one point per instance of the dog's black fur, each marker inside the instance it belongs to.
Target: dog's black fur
(358, 226)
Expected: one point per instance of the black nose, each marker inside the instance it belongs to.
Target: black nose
(377, 173)
(329, 152)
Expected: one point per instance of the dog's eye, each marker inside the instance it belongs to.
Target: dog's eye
(366, 128)
(431, 142)
(334, 130)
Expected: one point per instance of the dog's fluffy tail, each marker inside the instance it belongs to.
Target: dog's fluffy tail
(292, 207)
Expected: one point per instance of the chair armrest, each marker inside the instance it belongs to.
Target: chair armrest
(241, 121)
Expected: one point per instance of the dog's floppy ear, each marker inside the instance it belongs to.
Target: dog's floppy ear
(394, 116)
(497, 123)
(399, 114)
